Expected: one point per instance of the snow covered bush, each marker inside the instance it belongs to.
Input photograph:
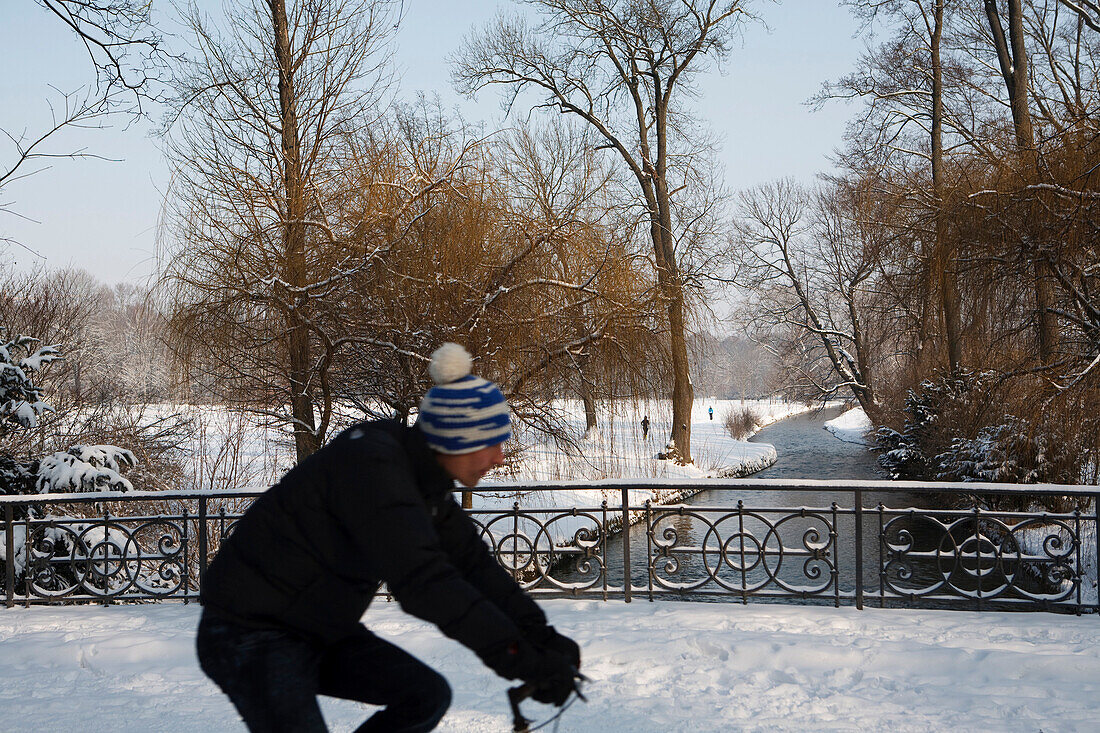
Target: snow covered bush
(936, 413)
(1013, 452)
(86, 468)
(957, 429)
(1008, 453)
(80, 468)
(17, 477)
(20, 400)
(741, 422)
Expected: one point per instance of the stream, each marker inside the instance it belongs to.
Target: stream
(805, 450)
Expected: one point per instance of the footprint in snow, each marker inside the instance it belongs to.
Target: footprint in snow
(843, 679)
(711, 649)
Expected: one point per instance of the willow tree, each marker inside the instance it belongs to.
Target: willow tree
(559, 190)
(507, 256)
(258, 143)
(624, 67)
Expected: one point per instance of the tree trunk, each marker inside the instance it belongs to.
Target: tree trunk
(589, 406)
(944, 257)
(306, 440)
(1046, 326)
(683, 394)
(672, 287)
(865, 395)
(1013, 59)
(668, 278)
(588, 398)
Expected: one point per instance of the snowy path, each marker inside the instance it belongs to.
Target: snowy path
(656, 667)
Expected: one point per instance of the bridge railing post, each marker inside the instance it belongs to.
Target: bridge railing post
(624, 493)
(9, 553)
(859, 548)
(204, 540)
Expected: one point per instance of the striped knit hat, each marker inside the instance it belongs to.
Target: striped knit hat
(461, 413)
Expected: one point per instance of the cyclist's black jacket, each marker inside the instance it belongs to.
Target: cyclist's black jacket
(372, 506)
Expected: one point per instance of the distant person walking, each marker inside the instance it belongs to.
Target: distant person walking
(645, 427)
(710, 411)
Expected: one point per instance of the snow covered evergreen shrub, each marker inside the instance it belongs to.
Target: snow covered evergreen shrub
(80, 468)
(17, 477)
(86, 468)
(1013, 452)
(937, 413)
(20, 400)
(957, 429)
(1002, 453)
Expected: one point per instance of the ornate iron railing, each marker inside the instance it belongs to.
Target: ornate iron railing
(849, 543)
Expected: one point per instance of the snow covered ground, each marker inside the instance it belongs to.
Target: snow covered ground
(618, 450)
(851, 426)
(229, 451)
(664, 666)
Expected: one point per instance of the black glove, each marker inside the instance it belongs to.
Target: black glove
(547, 671)
(547, 637)
(555, 690)
(554, 682)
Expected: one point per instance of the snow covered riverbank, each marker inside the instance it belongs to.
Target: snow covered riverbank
(657, 667)
(619, 450)
(852, 426)
(228, 451)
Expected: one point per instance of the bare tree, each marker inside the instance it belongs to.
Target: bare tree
(809, 260)
(1033, 196)
(1062, 82)
(128, 360)
(260, 125)
(624, 67)
(1087, 10)
(1012, 58)
(903, 83)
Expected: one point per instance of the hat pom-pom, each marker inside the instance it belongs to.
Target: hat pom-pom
(450, 362)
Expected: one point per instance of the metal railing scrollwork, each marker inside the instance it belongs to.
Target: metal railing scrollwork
(841, 543)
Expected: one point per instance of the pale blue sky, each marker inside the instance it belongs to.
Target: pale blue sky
(102, 216)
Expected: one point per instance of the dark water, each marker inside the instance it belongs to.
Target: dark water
(807, 450)
(804, 450)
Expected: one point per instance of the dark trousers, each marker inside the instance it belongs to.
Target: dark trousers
(273, 678)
